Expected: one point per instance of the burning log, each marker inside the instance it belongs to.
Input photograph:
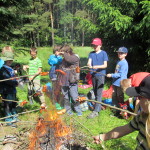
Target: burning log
(50, 132)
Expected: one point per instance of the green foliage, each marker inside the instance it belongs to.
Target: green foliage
(47, 22)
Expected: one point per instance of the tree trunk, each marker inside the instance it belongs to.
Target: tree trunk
(83, 38)
(38, 40)
(72, 23)
(34, 40)
(52, 23)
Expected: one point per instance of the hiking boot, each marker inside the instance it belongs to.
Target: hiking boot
(92, 115)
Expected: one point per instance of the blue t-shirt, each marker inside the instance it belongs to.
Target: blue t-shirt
(121, 72)
(98, 59)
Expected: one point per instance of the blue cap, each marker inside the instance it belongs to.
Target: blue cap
(123, 50)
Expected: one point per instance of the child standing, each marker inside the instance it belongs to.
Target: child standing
(35, 68)
(97, 63)
(54, 61)
(8, 89)
(69, 81)
(121, 72)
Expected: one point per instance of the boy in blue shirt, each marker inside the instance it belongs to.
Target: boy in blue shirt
(97, 63)
(121, 72)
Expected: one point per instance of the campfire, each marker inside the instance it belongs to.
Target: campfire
(51, 133)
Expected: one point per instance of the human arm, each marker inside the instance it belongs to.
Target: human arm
(36, 74)
(113, 134)
(100, 66)
(25, 67)
(121, 69)
(89, 63)
(71, 59)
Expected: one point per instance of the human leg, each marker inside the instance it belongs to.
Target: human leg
(73, 90)
(98, 84)
(38, 88)
(99, 89)
(115, 101)
(117, 97)
(30, 92)
(8, 108)
(65, 92)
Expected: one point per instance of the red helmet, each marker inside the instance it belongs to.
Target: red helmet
(97, 41)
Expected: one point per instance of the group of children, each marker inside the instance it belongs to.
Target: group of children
(8, 86)
(66, 82)
(97, 63)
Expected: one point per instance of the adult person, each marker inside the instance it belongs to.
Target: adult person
(121, 72)
(140, 123)
(34, 68)
(69, 80)
(97, 62)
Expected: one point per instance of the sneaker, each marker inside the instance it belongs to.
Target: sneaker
(79, 114)
(70, 113)
(15, 120)
(11, 125)
(14, 125)
(92, 115)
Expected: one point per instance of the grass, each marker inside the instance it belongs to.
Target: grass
(103, 123)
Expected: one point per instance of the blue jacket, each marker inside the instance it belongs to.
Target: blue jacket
(9, 86)
(121, 72)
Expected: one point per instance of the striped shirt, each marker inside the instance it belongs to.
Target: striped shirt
(138, 124)
(34, 65)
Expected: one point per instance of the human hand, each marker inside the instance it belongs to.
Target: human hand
(31, 78)
(95, 67)
(97, 139)
(25, 67)
(90, 67)
(60, 53)
(109, 75)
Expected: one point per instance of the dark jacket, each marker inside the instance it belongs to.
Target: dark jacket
(69, 64)
(9, 86)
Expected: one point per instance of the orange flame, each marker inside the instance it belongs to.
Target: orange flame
(39, 131)
(51, 120)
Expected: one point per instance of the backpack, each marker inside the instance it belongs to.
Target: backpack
(54, 60)
(91, 95)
